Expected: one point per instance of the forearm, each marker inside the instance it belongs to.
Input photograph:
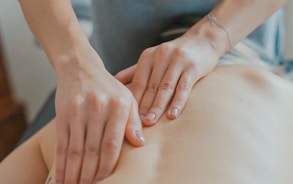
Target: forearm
(239, 18)
(55, 26)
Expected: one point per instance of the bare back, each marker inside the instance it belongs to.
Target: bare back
(236, 128)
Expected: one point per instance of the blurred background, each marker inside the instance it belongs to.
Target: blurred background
(30, 73)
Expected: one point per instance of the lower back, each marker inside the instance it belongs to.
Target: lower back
(231, 131)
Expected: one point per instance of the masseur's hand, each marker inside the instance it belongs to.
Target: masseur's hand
(94, 110)
(165, 74)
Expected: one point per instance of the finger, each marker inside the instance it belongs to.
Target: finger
(166, 90)
(126, 76)
(183, 90)
(160, 67)
(133, 131)
(142, 74)
(92, 144)
(75, 152)
(91, 153)
(62, 143)
(111, 142)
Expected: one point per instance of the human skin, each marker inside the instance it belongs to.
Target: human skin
(91, 115)
(236, 128)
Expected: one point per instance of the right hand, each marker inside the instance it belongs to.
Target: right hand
(93, 112)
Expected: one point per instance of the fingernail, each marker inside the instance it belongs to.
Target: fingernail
(150, 117)
(174, 112)
(139, 135)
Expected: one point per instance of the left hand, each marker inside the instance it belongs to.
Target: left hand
(165, 75)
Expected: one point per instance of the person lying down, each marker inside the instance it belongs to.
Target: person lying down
(237, 127)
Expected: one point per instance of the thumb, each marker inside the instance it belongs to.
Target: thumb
(133, 132)
(126, 76)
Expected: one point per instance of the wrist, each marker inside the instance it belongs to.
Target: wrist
(77, 61)
(67, 44)
(217, 37)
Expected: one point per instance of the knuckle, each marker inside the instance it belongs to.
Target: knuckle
(179, 52)
(163, 48)
(61, 150)
(77, 101)
(146, 53)
(119, 102)
(193, 67)
(167, 85)
(136, 86)
(100, 99)
(183, 86)
(94, 101)
(74, 153)
(76, 105)
(111, 147)
(92, 150)
(152, 87)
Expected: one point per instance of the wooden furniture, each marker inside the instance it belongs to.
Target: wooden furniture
(12, 115)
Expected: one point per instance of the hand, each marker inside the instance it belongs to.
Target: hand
(165, 75)
(93, 110)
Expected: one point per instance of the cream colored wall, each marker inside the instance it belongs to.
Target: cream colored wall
(31, 74)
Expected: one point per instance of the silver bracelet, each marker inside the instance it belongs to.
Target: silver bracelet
(212, 18)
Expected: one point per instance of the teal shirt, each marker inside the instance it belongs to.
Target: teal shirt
(124, 28)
